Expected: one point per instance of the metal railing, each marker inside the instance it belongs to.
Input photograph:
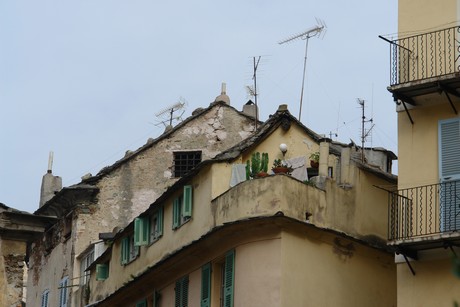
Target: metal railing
(425, 210)
(425, 56)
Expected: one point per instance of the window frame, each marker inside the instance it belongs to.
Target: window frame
(128, 250)
(184, 161)
(63, 293)
(182, 207)
(156, 225)
(45, 298)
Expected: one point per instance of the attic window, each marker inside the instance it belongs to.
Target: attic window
(184, 161)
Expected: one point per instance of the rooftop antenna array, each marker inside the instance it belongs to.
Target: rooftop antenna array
(364, 133)
(319, 30)
(252, 90)
(167, 115)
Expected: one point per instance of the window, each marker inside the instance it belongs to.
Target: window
(181, 291)
(45, 296)
(182, 207)
(206, 285)
(156, 225)
(185, 161)
(92, 252)
(129, 251)
(63, 286)
(148, 229)
(67, 229)
(102, 271)
(86, 261)
(449, 173)
(142, 303)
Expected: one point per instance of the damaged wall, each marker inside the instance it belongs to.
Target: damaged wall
(127, 188)
(12, 269)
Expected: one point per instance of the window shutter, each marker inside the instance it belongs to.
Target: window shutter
(156, 299)
(124, 250)
(206, 285)
(229, 271)
(176, 213)
(449, 155)
(160, 221)
(187, 201)
(178, 293)
(141, 231)
(141, 303)
(102, 271)
(184, 296)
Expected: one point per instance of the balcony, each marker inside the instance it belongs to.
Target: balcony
(425, 216)
(425, 64)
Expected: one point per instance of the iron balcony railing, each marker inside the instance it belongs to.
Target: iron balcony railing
(425, 56)
(423, 211)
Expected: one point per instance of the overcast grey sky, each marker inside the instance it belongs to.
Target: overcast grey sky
(85, 78)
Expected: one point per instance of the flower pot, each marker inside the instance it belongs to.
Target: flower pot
(262, 175)
(280, 170)
(314, 164)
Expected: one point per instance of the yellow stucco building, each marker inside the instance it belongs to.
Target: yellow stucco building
(425, 210)
(217, 238)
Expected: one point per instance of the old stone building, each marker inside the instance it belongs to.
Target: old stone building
(221, 237)
(99, 205)
(16, 227)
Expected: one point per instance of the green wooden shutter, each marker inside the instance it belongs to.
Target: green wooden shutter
(141, 231)
(160, 221)
(184, 294)
(229, 274)
(156, 299)
(188, 198)
(181, 294)
(206, 285)
(124, 250)
(102, 271)
(178, 293)
(142, 303)
(176, 213)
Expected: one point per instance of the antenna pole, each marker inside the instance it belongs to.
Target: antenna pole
(255, 65)
(362, 131)
(304, 71)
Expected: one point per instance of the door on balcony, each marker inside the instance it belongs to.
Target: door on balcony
(449, 174)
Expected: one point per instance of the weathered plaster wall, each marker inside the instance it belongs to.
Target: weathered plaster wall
(130, 189)
(418, 145)
(426, 15)
(320, 269)
(12, 268)
(433, 285)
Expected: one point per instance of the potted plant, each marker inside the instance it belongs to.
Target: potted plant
(314, 160)
(257, 166)
(281, 167)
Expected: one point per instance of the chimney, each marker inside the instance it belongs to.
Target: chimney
(223, 95)
(251, 109)
(324, 157)
(50, 183)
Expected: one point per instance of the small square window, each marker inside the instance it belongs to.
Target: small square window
(184, 161)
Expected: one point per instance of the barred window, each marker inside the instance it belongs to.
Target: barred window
(185, 161)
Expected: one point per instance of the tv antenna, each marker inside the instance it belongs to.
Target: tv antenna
(167, 114)
(364, 133)
(306, 35)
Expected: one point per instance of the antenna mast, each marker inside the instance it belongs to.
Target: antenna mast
(313, 31)
(169, 111)
(364, 133)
